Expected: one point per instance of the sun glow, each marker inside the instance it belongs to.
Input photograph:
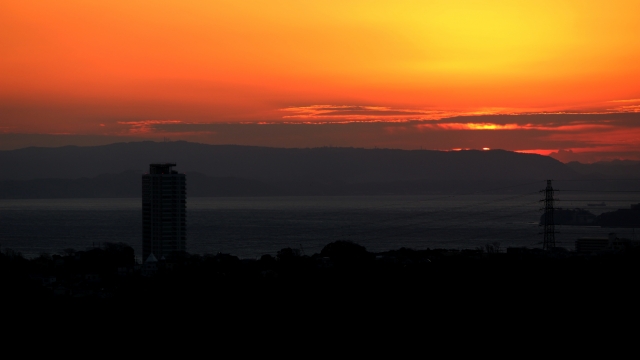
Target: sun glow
(470, 126)
(104, 67)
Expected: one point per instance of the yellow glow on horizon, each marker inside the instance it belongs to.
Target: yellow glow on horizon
(473, 126)
(82, 67)
(544, 152)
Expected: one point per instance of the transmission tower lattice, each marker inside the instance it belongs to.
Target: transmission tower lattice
(549, 228)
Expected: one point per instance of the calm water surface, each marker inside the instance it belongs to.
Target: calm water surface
(251, 227)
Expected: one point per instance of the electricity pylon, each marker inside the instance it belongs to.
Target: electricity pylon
(549, 227)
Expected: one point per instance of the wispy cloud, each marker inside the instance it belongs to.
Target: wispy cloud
(625, 106)
(326, 113)
(354, 113)
(146, 126)
(626, 101)
(630, 108)
(577, 127)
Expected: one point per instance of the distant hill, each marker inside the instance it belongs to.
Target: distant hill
(262, 163)
(228, 170)
(620, 169)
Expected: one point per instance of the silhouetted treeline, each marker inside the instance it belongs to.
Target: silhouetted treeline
(343, 277)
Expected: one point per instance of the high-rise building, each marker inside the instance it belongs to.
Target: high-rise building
(164, 207)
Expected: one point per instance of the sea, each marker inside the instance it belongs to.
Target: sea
(249, 227)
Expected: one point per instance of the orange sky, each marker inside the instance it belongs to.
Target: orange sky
(407, 74)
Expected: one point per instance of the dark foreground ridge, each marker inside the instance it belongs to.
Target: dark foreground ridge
(344, 279)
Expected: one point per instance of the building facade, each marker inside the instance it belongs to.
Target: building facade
(164, 207)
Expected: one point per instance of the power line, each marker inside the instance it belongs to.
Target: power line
(600, 191)
(405, 224)
(442, 215)
(593, 180)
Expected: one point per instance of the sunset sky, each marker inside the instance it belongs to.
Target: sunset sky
(555, 77)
